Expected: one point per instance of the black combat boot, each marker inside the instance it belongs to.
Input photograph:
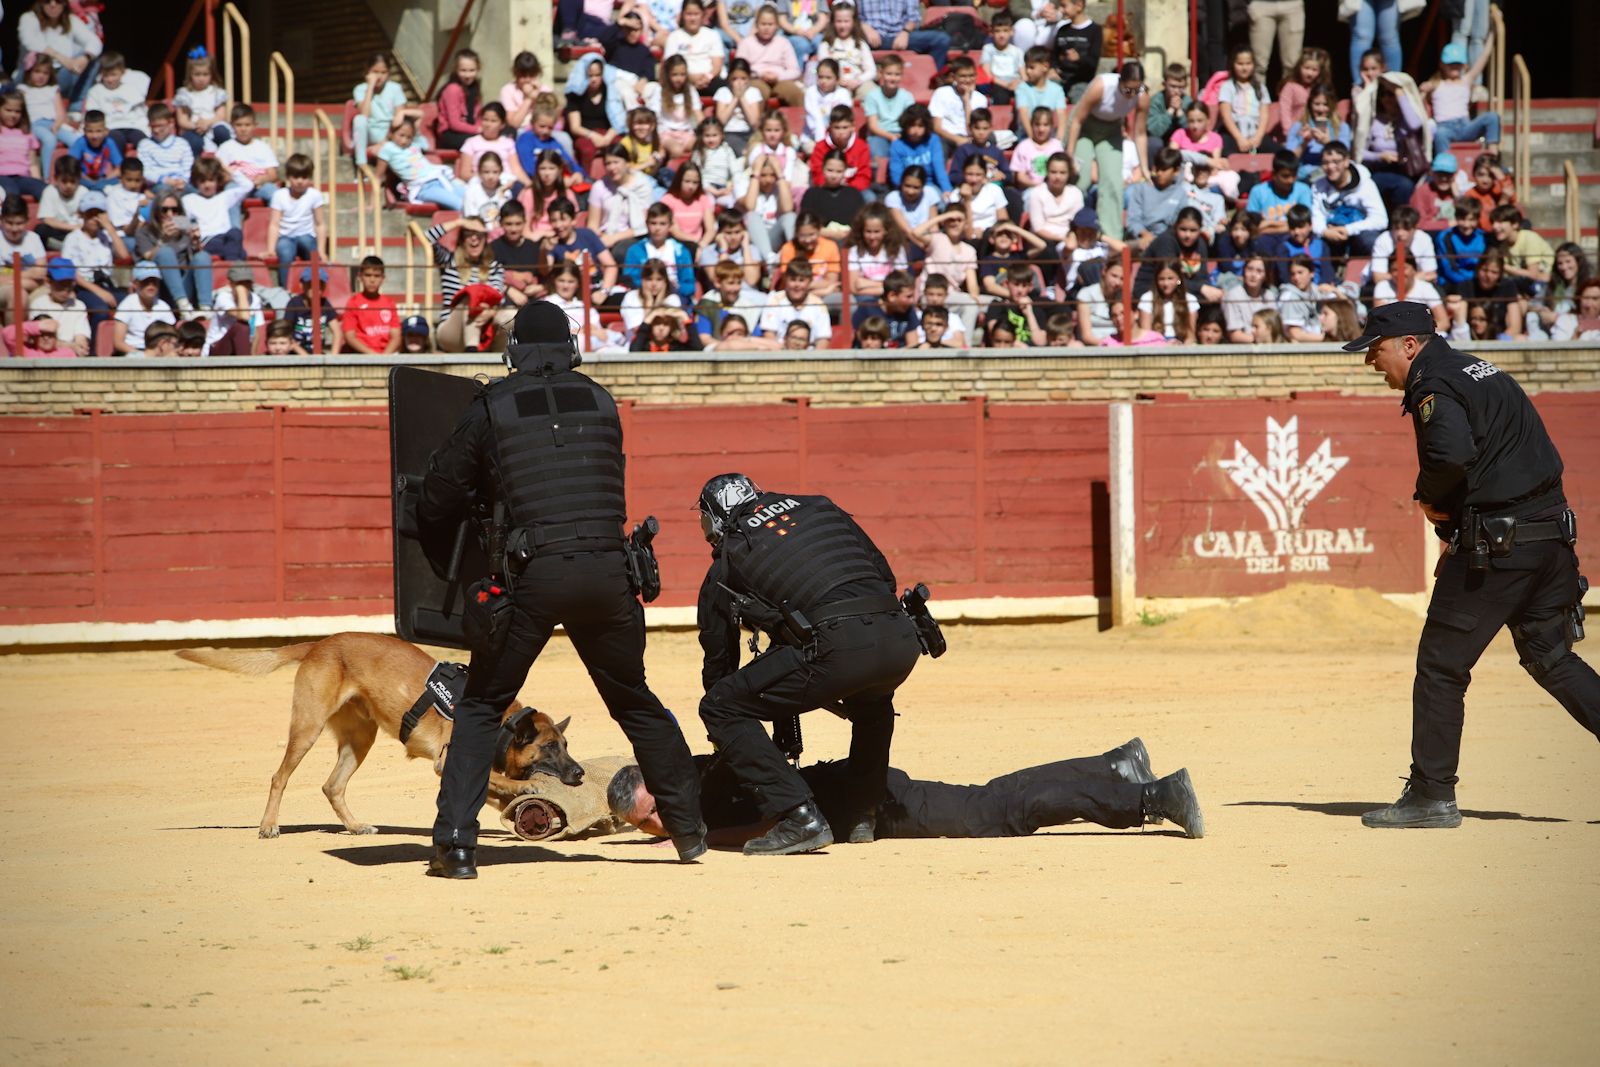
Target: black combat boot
(802, 829)
(1131, 762)
(453, 861)
(1413, 812)
(864, 831)
(690, 846)
(1173, 798)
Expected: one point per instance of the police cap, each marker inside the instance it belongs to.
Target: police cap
(1403, 318)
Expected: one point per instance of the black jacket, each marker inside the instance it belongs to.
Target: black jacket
(1480, 443)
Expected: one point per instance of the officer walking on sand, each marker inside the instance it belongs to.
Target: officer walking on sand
(800, 566)
(1490, 481)
(545, 442)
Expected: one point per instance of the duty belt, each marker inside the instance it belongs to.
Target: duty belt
(878, 604)
(1548, 530)
(546, 534)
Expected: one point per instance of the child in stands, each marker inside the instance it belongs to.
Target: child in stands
(425, 182)
(167, 158)
(19, 149)
(371, 322)
(120, 94)
(245, 153)
(99, 158)
(216, 194)
(47, 108)
(1002, 59)
(202, 105)
(299, 225)
(380, 103)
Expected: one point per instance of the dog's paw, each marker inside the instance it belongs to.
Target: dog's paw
(363, 829)
(267, 832)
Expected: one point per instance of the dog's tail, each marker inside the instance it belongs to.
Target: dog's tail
(247, 660)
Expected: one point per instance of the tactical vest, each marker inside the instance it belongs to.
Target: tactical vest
(559, 446)
(798, 549)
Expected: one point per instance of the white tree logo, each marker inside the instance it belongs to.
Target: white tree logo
(1284, 486)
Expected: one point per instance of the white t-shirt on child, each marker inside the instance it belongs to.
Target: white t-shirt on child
(297, 215)
(252, 160)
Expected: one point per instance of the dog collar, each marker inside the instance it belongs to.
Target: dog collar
(508, 733)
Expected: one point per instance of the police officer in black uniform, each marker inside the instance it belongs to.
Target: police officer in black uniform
(849, 646)
(1490, 481)
(546, 442)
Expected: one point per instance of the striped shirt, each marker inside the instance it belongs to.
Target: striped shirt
(450, 281)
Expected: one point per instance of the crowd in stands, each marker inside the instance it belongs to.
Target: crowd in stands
(791, 175)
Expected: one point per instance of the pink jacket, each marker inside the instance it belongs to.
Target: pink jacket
(453, 110)
(777, 54)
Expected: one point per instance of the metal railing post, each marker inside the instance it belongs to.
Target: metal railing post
(1522, 89)
(1573, 218)
(233, 20)
(588, 304)
(316, 304)
(374, 190)
(1130, 328)
(330, 175)
(1497, 62)
(275, 64)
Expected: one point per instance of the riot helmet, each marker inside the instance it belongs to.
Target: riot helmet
(719, 499)
(541, 340)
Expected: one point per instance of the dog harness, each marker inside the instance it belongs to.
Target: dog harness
(445, 685)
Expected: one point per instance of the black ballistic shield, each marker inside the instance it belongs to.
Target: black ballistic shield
(424, 407)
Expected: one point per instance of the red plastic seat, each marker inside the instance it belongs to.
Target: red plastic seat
(104, 335)
(1003, 115)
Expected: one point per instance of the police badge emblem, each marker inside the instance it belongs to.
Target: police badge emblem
(1425, 409)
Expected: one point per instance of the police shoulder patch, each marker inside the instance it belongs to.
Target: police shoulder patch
(1425, 407)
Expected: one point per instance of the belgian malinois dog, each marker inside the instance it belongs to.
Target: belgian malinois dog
(354, 684)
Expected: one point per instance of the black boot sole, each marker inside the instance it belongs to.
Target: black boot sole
(821, 839)
(459, 873)
(1427, 822)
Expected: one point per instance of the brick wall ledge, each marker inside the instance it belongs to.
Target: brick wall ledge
(843, 378)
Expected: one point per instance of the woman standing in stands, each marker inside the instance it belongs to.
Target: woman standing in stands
(48, 27)
(469, 264)
(1094, 138)
(459, 101)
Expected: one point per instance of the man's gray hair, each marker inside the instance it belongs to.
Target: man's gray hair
(623, 792)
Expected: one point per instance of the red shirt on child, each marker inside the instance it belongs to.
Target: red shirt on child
(372, 320)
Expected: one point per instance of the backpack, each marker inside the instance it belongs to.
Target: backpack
(966, 33)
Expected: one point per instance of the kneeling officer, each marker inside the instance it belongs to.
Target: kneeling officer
(545, 443)
(820, 581)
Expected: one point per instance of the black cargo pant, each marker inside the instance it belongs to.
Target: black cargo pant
(1013, 805)
(1529, 590)
(858, 662)
(587, 592)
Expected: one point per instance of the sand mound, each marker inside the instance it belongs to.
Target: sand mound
(1298, 613)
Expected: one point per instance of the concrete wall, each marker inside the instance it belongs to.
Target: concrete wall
(497, 31)
(42, 387)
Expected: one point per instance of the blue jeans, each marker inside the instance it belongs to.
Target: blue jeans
(290, 249)
(438, 191)
(43, 129)
(22, 185)
(1471, 29)
(191, 285)
(804, 48)
(74, 86)
(877, 146)
(1380, 20)
(935, 43)
(1485, 125)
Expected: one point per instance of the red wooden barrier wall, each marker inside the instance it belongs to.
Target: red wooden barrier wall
(1200, 532)
(131, 518)
(285, 513)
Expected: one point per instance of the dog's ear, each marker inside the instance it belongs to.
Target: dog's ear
(528, 727)
(561, 727)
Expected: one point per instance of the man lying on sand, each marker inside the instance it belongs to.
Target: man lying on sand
(1116, 789)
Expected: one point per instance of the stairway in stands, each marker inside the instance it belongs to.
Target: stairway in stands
(1565, 130)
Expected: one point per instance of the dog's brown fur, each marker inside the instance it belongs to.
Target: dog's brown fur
(355, 684)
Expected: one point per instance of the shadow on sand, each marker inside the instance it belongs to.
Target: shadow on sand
(1351, 809)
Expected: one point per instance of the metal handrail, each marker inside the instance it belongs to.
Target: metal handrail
(276, 64)
(366, 175)
(1573, 219)
(231, 14)
(1497, 62)
(362, 246)
(328, 164)
(417, 237)
(1522, 90)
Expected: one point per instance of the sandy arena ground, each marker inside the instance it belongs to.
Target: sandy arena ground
(146, 923)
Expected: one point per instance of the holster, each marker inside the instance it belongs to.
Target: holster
(486, 616)
(644, 572)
